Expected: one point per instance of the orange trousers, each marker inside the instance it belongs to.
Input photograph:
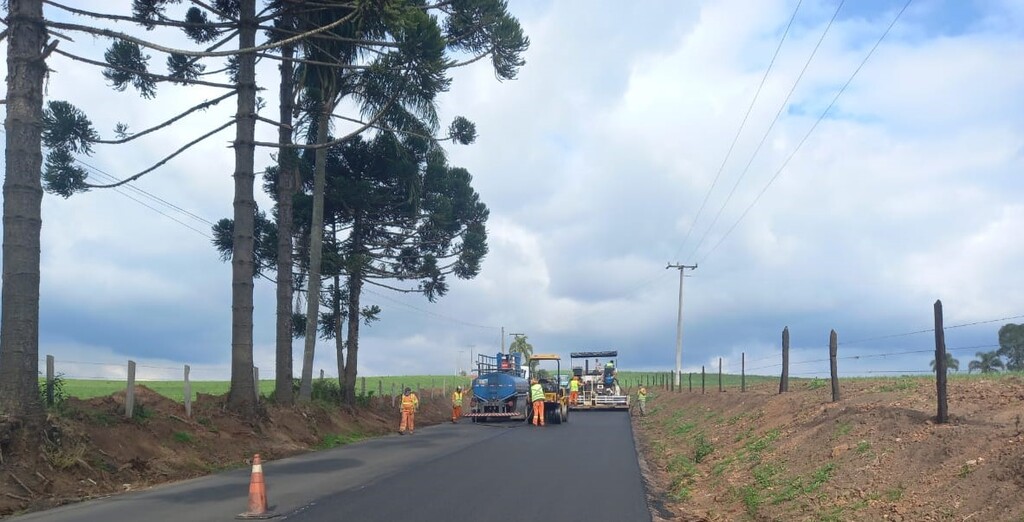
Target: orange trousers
(538, 413)
(456, 413)
(408, 418)
(573, 396)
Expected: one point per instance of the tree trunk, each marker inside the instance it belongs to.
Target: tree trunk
(339, 343)
(316, 246)
(355, 288)
(286, 175)
(23, 195)
(241, 398)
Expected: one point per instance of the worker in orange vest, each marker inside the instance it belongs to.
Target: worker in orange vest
(456, 404)
(410, 403)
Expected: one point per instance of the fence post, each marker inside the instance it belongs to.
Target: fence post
(188, 394)
(720, 375)
(702, 380)
(256, 385)
(940, 364)
(833, 347)
(444, 387)
(362, 387)
(392, 395)
(743, 371)
(672, 382)
(49, 380)
(691, 382)
(380, 388)
(129, 396)
(321, 374)
(784, 381)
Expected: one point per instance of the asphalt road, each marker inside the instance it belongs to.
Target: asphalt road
(583, 470)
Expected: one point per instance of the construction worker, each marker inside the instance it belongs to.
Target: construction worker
(456, 404)
(574, 389)
(537, 397)
(641, 400)
(410, 403)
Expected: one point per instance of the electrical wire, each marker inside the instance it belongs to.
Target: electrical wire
(739, 131)
(767, 132)
(809, 132)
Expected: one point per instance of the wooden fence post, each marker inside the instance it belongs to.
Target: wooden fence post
(940, 364)
(691, 382)
(784, 381)
(187, 392)
(392, 395)
(743, 371)
(833, 347)
(362, 387)
(720, 390)
(49, 380)
(129, 396)
(321, 374)
(672, 382)
(380, 388)
(702, 380)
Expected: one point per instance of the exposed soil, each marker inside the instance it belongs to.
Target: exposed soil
(877, 454)
(89, 449)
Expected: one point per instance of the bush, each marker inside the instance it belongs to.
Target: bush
(60, 394)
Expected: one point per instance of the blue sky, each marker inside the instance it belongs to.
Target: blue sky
(594, 163)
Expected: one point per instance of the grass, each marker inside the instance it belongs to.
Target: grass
(341, 439)
(87, 389)
(183, 437)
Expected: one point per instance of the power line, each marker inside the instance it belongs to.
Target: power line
(428, 312)
(739, 130)
(810, 131)
(771, 126)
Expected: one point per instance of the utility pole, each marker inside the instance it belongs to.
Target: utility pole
(679, 321)
(503, 340)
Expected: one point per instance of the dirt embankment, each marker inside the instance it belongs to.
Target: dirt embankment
(875, 455)
(89, 449)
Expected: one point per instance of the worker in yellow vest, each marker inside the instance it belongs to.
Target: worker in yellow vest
(641, 400)
(574, 389)
(537, 398)
(456, 404)
(410, 403)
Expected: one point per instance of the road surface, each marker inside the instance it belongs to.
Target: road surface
(584, 470)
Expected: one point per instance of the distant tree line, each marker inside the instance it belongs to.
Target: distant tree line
(1009, 356)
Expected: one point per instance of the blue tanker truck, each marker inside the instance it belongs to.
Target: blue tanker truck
(500, 389)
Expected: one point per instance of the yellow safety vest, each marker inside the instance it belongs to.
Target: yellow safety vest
(641, 395)
(536, 393)
(456, 398)
(574, 385)
(410, 402)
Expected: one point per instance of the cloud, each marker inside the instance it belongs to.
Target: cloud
(594, 163)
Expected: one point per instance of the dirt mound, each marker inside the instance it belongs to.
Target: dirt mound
(88, 448)
(875, 455)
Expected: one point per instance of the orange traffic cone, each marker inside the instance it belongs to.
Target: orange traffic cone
(257, 494)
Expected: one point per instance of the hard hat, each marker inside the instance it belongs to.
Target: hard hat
(458, 388)
(407, 390)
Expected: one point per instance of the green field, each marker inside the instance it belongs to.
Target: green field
(86, 389)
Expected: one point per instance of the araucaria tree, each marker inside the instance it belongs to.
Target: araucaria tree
(27, 50)
(401, 219)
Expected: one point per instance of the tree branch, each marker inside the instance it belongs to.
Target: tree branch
(159, 77)
(201, 106)
(166, 159)
(121, 18)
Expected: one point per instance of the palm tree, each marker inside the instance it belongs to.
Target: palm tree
(986, 362)
(521, 346)
(951, 363)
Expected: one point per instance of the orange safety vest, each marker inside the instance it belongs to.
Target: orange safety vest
(410, 402)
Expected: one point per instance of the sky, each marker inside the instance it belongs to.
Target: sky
(624, 144)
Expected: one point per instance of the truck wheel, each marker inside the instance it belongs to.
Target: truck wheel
(564, 413)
